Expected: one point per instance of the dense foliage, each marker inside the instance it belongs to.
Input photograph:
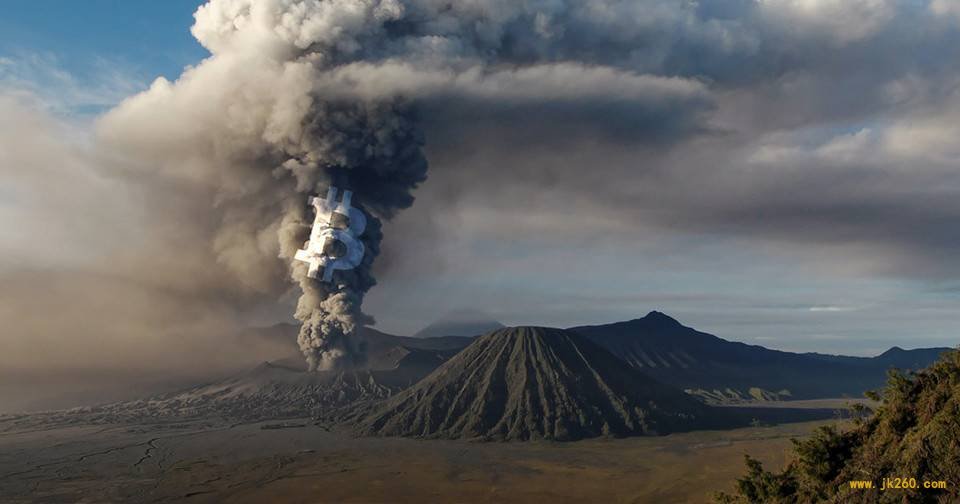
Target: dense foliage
(914, 435)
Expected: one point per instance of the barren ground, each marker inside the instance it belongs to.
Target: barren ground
(211, 462)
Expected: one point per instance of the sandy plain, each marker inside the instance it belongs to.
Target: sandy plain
(295, 461)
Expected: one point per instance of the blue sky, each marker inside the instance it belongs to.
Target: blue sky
(148, 38)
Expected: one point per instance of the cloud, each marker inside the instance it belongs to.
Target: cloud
(831, 309)
(800, 136)
(841, 21)
(946, 8)
(539, 83)
(39, 77)
(50, 180)
(91, 280)
(541, 104)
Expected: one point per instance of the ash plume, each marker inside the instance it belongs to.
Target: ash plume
(269, 139)
(301, 95)
(659, 122)
(373, 149)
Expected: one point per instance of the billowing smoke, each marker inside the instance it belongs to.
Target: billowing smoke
(373, 149)
(546, 122)
(249, 127)
(299, 95)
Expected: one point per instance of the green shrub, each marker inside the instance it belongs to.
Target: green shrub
(915, 433)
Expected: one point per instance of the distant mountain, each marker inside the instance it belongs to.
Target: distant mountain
(895, 357)
(384, 351)
(535, 383)
(495, 388)
(377, 340)
(721, 370)
(460, 323)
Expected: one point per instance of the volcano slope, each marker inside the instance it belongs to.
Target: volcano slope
(529, 383)
(273, 390)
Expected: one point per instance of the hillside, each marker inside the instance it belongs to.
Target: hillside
(535, 383)
(914, 434)
(720, 370)
(375, 341)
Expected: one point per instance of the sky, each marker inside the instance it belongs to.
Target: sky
(145, 39)
(777, 172)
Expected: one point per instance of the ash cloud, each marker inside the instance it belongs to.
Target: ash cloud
(821, 130)
(298, 96)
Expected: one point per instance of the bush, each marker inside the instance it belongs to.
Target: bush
(915, 433)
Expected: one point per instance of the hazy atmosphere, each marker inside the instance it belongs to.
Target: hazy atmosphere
(754, 168)
(501, 251)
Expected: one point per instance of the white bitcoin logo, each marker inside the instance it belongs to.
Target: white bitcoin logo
(334, 242)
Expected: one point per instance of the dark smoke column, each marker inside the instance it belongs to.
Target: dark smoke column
(375, 150)
(275, 132)
(299, 95)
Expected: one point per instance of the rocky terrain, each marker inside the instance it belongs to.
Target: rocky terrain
(536, 383)
(271, 390)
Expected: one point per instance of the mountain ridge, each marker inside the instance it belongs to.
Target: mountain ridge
(498, 389)
(720, 370)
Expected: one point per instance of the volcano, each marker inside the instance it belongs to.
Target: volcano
(529, 383)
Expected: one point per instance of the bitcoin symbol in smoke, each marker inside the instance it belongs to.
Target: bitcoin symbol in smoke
(334, 242)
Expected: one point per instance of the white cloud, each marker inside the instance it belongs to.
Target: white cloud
(848, 147)
(946, 8)
(42, 79)
(928, 133)
(832, 309)
(843, 21)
